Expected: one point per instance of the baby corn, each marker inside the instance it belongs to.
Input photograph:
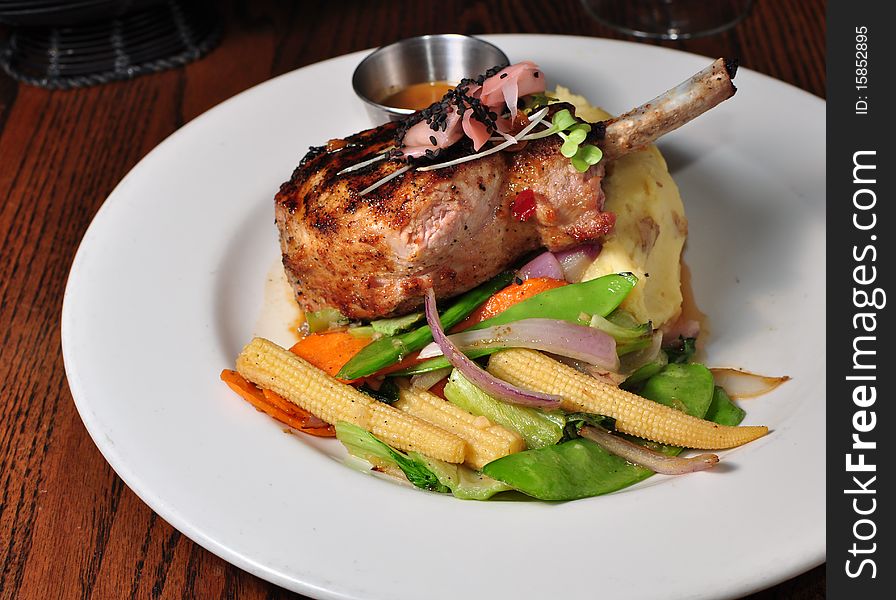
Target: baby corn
(407, 432)
(269, 366)
(634, 415)
(485, 440)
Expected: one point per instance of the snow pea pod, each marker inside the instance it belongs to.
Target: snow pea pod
(645, 372)
(390, 349)
(597, 296)
(685, 387)
(688, 387)
(723, 411)
(575, 469)
(580, 468)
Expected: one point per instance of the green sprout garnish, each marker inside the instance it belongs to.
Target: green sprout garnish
(573, 139)
(534, 102)
(562, 120)
(574, 133)
(586, 156)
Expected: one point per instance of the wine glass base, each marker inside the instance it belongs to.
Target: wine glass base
(669, 19)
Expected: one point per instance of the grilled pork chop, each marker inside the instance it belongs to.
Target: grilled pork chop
(374, 255)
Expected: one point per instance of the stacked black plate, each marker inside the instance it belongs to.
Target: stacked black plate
(57, 44)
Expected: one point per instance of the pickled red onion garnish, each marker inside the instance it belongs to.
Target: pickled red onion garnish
(482, 109)
(473, 110)
(511, 84)
(475, 130)
(422, 137)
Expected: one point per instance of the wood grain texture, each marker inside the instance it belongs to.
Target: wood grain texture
(69, 528)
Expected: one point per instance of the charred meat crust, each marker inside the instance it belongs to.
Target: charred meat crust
(375, 255)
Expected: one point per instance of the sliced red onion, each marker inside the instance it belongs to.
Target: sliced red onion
(637, 359)
(479, 377)
(606, 376)
(743, 384)
(424, 381)
(543, 265)
(576, 261)
(686, 328)
(578, 342)
(645, 457)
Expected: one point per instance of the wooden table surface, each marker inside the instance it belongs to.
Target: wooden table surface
(69, 527)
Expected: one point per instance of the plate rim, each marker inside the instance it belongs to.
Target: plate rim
(153, 499)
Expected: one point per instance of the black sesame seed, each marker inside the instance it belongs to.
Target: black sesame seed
(457, 100)
(432, 139)
(536, 75)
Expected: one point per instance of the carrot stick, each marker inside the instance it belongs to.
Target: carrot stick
(310, 421)
(278, 401)
(330, 350)
(297, 418)
(504, 299)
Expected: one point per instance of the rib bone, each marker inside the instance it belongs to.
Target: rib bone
(371, 249)
(669, 111)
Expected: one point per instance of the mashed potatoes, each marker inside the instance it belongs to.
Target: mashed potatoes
(651, 227)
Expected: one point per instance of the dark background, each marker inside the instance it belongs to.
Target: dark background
(848, 133)
(69, 527)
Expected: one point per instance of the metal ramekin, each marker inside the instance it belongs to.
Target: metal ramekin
(443, 57)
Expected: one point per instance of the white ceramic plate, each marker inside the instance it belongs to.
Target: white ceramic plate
(168, 283)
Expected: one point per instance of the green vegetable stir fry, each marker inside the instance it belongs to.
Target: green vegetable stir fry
(559, 460)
